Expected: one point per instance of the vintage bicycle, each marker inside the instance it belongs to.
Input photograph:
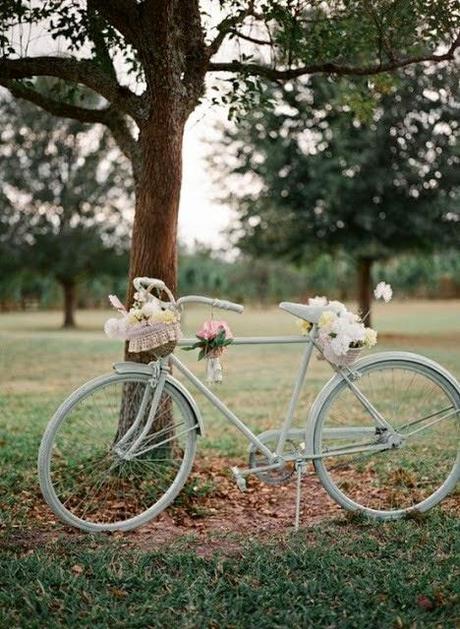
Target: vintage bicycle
(382, 434)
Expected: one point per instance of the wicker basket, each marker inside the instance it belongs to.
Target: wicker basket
(161, 337)
(158, 338)
(345, 360)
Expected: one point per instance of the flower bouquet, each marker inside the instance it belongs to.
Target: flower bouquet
(150, 324)
(213, 337)
(342, 334)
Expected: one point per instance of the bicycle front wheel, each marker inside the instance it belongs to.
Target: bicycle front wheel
(96, 470)
(420, 464)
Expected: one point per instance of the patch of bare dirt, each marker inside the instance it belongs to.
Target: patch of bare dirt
(211, 514)
(214, 519)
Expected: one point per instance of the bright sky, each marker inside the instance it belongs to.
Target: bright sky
(200, 216)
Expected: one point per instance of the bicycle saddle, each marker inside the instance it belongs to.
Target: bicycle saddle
(303, 311)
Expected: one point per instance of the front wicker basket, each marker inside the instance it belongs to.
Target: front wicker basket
(159, 338)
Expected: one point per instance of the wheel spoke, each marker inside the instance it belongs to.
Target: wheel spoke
(91, 479)
(422, 452)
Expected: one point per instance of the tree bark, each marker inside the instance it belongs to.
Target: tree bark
(154, 245)
(365, 289)
(70, 299)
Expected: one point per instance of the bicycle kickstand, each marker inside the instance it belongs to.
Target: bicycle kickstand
(300, 467)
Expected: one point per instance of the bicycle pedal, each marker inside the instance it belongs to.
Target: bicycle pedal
(240, 480)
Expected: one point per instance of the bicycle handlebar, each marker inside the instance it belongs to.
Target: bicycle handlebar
(148, 283)
(215, 303)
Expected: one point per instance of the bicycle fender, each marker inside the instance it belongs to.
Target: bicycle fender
(132, 367)
(193, 405)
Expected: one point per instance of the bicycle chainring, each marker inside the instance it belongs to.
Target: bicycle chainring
(278, 476)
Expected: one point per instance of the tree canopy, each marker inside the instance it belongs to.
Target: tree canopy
(65, 194)
(147, 61)
(116, 48)
(320, 177)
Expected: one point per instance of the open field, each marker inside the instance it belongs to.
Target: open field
(383, 575)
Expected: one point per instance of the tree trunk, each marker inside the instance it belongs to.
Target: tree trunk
(154, 246)
(70, 299)
(365, 289)
(175, 55)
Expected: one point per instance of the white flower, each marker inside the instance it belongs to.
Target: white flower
(354, 330)
(151, 309)
(383, 291)
(317, 301)
(341, 344)
(170, 316)
(327, 318)
(337, 306)
(115, 328)
(304, 326)
(165, 316)
(370, 337)
(139, 296)
(134, 316)
(351, 317)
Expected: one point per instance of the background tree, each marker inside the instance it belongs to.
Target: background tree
(148, 59)
(371, 182)
(65, 193)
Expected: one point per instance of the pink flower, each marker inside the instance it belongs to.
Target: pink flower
(210, 329)
(116, 303)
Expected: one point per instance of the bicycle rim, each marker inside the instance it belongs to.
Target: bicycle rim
(423, 466)
(89, 473)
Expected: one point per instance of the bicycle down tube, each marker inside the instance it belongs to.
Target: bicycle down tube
(273, 457)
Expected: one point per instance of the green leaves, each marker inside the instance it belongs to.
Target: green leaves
(361, 166)
(66, 190)
(208, 345)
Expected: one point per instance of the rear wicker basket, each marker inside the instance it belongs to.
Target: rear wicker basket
(345, 360)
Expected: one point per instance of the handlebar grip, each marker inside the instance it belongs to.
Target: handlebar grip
(215, 303)
(228, 305)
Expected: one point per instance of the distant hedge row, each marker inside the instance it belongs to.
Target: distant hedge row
(253, 281)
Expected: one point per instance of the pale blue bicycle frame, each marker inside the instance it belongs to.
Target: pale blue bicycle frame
(276, 458)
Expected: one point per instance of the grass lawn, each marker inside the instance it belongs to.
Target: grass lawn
(338, 574)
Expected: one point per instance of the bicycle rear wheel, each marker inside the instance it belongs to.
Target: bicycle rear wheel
(421, 464)
(88, 475)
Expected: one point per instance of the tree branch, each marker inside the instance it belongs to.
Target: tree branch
(253, 40)
(57, 108)
(82, 71)
(226, 27)
(326, 68)
(122, 14)
(331, 67)
(107, 116)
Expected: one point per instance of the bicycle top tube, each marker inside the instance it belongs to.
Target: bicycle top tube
(234, 307)
(255, 340)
